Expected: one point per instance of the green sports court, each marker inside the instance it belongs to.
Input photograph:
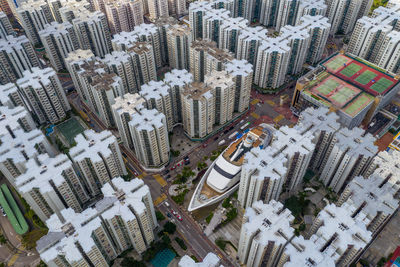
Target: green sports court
(69, 129)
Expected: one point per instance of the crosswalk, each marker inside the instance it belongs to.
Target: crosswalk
(160, 180)
(255, 115)
(160, 199)
(278, 118)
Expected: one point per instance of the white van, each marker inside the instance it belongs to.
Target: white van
(166, 203)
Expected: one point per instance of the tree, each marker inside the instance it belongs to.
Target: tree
(165, 238)
(181, 243)
(169, 227)
(159, 216)
(41, 264)
(131, 262)
(3, 239)
(187, 172)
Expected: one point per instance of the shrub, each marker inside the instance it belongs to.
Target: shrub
(220, 243)
(181, 243)
(209, 217)
(169, 227)
(159, 216)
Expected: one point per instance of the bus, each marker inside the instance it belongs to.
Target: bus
(244, 126)
(233, 135)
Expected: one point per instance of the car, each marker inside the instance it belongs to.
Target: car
(179, 217)
(166, 203)
(173, 168)
(216, 138)
(168, 176)
(124, 155)
(166, 171)
(231, 128)
(169, 215)
(205, 144)
(186, 158)
(135, 173)
(226, 131)
(174, 212)
(187, 162)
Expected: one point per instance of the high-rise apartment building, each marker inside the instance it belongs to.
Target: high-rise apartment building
(149, 133)
(20, 140)
(163, 25)
(205, 57)
(99, 88)
(223, 89)
(123, 219)
(340, 234)
(93, 32)
(376, 38)
(73, 62)
(212, 21)
(198, 110)
(16, 56)
(242, 73)
(249, 40)
(176, 80)
(98, 158)
(34, 15)
(50, 185)
(265, 229)
(262, 176)
(373, 197)
(124, 15)
(157, 9)
(197, 11)
(343, 15)
(58, 39)
(177, 8)
(324, 125)
(43, 94)
(158, 96)
(124, 108)
(67, 10)
(297, 145)
(5, 26)
(229, 32)
(348, 154)
(135, 66)
(272, 63)
(178, 43)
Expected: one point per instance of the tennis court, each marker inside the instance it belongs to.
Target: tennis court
(365, 77)
(335, 91)
(337, 62)
(358, 104)
(381, 85)
(350, 70)
(69, 129)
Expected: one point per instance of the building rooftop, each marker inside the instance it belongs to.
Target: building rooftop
(79, 56)
(13, 43)
(210, 260)
(373, 198)
(147, 119)
(178, 78)
(91, 145)
(290, 141)
(239, 68)
(36, 78)
(196, 91)
(124, 40)
(303, 252)
(56, 29)
(128, 103)
(345, 230)
(78, 227)
(40, 171)
(154, 90)
(356, 142)
(271, 222)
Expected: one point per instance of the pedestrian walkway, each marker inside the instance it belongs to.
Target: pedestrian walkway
(255, 115)
(15, 257)
(216, 219)
(160, 180)
(255, 101)
(279, 118)
(159, 199)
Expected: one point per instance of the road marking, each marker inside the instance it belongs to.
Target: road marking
(15, 257)
(278, 118)
(160, 180)
(255, 101)
(270, 102)
(255, 115)
(159, 199)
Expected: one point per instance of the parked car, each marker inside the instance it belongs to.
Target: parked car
(187, 158)
(169, 215)
(173, 168)
(187, 162)
(174, 212)
(179, 217)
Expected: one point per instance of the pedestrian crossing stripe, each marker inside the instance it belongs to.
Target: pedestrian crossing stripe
(160, 180)
(255, 115)
(278, 118)
(159, 199)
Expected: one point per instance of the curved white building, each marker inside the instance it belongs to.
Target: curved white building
(223, 176)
